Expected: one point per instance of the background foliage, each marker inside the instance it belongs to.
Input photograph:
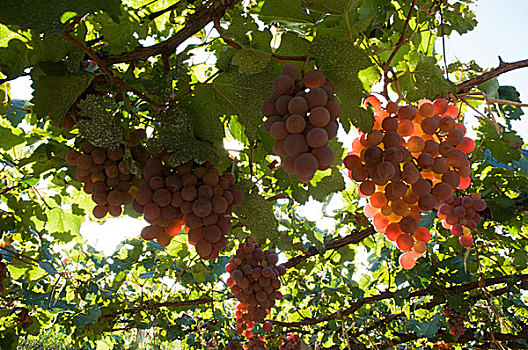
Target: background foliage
(161, 65)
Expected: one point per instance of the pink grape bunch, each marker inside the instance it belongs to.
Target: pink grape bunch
(412, 161)
(302, 117)
(460, 216)
(255, 343)
(455, 321)
(193, 195)
(106, 174)
(254, 281)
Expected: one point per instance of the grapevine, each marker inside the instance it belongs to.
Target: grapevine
(254, 281)
(412, 161)
(302, 118)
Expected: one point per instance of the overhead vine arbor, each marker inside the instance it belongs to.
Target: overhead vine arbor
(214, 123)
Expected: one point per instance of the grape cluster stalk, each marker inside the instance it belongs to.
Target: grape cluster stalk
(460, 216)
(106, 174)
(254, 281)
(455, 321)
(191, 195)
(412, 161)
(302, 117)
(292, 342)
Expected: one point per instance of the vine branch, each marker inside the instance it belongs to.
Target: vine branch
(417, 293)
(503, 67)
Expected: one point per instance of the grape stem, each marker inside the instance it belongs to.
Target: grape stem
(66, 35)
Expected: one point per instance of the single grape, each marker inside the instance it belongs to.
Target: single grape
(407, 113)
(283, 85)
(291, 70)
(314, 78)
(319, 116)
(306, 165)
(324, 155)
(316, 97)
(295, 144)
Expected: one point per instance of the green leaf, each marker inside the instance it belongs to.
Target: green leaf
(258, 217)
(328, 184)
(288, 12)
(342, 68)
(63, 225)
(45, 16)
(10, 137)
(176, 135)
(292, 44)
(336, 7)
(54, 94)
(91, 316)
(251, 61)
(102, 128)
(233, 94)
(426, 81)
(490, 87)
(119, 35)
(15, 58)
(426, 328)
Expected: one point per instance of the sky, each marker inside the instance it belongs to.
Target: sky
(501, 32)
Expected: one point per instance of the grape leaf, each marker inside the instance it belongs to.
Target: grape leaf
(45, 16)
(426, 81)
(101, 129)
(510, 113)
(251, 61)
(54, 94)
(258, 217)
(176, 135)
(232, 94)
(292, 45)
(119, 35)
(287, 12)
(342, 68)
(14, 58)
(336, 7)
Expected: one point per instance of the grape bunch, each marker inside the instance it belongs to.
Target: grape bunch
(233, 344)
(191, 194)
(293, 342)
(3, 274)
(106, 175)
(255, 343)
(302, 117)
(455, 321)
(440, 345)
(412, 161)
(254, 281)
(460, 216)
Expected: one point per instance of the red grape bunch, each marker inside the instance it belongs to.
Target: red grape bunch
(254, 281)
(293, 342)
(460, 215)
(255, 343)
(106, 175)
(302, 117)
(412, 161)
(191, 194)
(455, 321)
